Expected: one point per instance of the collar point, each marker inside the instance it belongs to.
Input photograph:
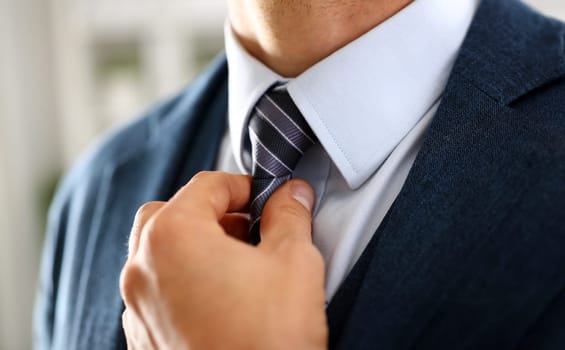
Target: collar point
(353, 178)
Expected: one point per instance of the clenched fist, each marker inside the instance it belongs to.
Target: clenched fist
(192, 282)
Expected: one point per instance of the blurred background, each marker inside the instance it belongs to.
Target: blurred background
(69, 70)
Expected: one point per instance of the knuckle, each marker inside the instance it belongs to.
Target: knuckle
(131, 279)
(142, 216)
(147, 209)
(157, 223)
(215, 182)
(204, 175)
(201, 175)
(155, 232)
(166, 229)
(166, 221)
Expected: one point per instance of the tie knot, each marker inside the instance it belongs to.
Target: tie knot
(279, 135)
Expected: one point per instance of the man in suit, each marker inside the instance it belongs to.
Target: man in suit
(435, 135)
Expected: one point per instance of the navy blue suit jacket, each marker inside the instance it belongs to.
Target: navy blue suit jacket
(471, 254)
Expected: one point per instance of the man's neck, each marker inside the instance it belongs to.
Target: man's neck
(289, 36)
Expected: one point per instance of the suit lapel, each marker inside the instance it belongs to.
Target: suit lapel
(438, 250)
(177, 147)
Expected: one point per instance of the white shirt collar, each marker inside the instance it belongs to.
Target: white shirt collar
(364, 98)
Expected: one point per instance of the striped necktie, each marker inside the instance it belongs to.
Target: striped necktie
(279, 137)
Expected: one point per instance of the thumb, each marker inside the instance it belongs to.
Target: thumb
(287, 214)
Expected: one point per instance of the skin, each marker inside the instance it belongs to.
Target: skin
(191, 280)
(289, 36)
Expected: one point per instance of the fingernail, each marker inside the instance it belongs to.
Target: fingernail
(304, 194)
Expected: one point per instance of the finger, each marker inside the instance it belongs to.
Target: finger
(212, 194)
(128, 331)
(137, 335)
(144, 213)
(236, 225)
(287, 214)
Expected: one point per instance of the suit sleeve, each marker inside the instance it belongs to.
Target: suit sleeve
(46, 299)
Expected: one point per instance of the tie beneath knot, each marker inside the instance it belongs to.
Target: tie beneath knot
(279, 137)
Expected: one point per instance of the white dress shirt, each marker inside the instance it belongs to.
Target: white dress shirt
(369, 104)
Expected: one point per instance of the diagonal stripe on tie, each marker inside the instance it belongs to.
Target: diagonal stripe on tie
(279, 121)
(268, 159)
(279, 137)
(281, 98)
